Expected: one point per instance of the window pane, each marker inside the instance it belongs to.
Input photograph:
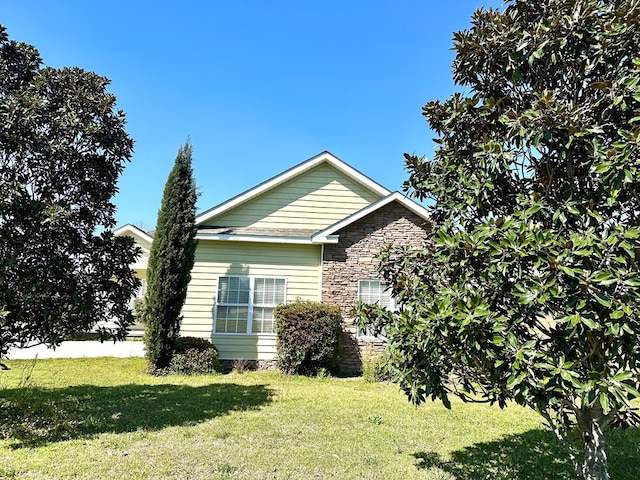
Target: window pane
(235, 303)
(263, 320)
(223, 289)
(268, 291)
(279, 291)
(259, 291)
(374, 291)
(231, 319)
(233, 290)
(243, 290)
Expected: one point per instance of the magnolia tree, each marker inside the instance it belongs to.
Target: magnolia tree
(63, 146)
(529, 289)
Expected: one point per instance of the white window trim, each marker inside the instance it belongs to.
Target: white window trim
(392, 307)
(250, 305)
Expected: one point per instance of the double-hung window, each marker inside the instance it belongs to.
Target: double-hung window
(374, 291)
(245, 304)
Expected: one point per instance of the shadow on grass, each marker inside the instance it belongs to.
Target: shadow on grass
(533, 455)
(35, 416)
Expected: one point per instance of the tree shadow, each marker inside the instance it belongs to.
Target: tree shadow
(33, 416)
(533, 455)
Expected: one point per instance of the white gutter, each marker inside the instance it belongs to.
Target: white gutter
(266, 239)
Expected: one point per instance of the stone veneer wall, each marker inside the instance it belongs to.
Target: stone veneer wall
(354, 258)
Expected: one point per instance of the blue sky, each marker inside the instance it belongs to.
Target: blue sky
(258, 86)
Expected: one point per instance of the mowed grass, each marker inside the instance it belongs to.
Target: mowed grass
(104, 419)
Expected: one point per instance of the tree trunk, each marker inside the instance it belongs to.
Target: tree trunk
(592, 423)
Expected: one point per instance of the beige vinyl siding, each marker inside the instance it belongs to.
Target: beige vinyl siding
(140, 269)
(313, 200)
(141, 241)
(137, 329)
(299, 264)
(143, 259)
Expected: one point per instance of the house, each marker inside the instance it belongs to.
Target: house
(313, 232)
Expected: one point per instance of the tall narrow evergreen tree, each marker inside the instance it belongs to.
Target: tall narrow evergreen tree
(170, 262)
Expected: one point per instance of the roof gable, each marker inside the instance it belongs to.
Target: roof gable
(298, 189)
(141, 237)
(324, 236)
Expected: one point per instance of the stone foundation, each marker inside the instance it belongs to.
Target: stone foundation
(355, 257)
(229, 365)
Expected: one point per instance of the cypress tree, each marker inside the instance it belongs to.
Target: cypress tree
(170, 262)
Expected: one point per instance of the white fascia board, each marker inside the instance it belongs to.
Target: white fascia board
(254, 238)
(265, 239)
(132, 229)
(323, 235)
(287, 175)
(327, 239)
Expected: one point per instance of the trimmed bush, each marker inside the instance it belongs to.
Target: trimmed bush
(374, 366)
(139, 307)
(308, 335)
(194, 356)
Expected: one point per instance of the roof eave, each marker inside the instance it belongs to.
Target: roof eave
(129, 227)
(267, 239)
(393, 197)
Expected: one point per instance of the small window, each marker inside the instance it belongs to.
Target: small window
(245, 304)
(374, 291)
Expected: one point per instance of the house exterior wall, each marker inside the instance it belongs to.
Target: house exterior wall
(314, 200)
(354, 258)
(137, 328)
(299, 264)
(141, 262)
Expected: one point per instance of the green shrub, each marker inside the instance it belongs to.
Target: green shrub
(194, 356)
(308, 334)
(187, 343)
(139, 308)
(374, 366)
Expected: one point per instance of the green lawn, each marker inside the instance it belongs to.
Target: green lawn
(104, 419)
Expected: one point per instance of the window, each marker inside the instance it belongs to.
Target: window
(374, 291)
(245, 304)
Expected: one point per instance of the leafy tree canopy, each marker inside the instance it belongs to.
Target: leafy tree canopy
(62, 149)
(529, 289)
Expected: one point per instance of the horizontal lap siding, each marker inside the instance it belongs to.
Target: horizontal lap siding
(141, 241)
(299, 264)
(316, 199)
(143, 258)
(248, 347)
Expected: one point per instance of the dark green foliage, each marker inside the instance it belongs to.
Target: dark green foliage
(193, 343)
(194, 356)
(170, 262)
(529, 289)
(374, 366)
(63, 146)
(139, 307)
(307, 336)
